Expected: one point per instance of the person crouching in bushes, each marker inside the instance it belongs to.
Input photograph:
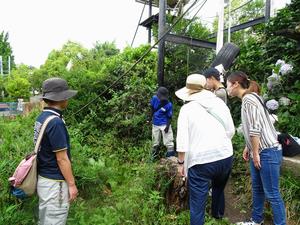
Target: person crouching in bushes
(261, 149)
(161, 115)
(204, 132)
(56, 186)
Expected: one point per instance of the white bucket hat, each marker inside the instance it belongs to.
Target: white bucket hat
(195, 83)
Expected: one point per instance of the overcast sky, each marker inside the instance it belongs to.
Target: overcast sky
(37, 26)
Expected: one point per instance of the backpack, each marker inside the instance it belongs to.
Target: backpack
(290, 147)
(24, 180)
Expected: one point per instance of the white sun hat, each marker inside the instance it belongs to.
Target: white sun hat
(195, 83)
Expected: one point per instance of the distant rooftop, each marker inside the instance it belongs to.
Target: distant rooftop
(154, 3)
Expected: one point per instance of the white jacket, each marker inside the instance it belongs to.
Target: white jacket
(204, 130)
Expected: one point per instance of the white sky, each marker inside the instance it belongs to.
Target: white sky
(38, 26)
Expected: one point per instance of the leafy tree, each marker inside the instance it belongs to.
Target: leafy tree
(17, 87)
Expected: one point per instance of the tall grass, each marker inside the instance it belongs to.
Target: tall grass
(115, 180)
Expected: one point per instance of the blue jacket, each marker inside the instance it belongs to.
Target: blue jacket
(162, 114)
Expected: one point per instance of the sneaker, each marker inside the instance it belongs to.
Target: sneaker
(170, 153)
(210, 192)
(249, 223)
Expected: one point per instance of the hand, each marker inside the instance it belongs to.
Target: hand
(181, 170)
(149, 119)
(256, 161)
(166, 129)
(73, 192)
(246, 154)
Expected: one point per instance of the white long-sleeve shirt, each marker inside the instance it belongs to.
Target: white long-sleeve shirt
(200, 135)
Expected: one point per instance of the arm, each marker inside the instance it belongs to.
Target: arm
(255, 146)
(254, 131)
(180, 160)
(66, 170)
(246, 154)
(169, 117)
(152, 111)
(168, 125)
(151, 114)
(182, 139)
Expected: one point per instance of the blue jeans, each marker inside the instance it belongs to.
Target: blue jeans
(265, 184)
(199, 179)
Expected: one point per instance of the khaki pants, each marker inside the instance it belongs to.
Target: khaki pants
(158, 132)
(53, 201)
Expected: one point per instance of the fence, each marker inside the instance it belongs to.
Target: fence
(9, 109)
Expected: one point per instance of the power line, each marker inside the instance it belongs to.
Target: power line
(139, 60)
(137, 27)
(202, 4)
(237, 8)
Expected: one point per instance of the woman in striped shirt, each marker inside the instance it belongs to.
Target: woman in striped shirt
(262, 147)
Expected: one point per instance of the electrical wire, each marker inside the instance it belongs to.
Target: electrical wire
(139, 60)
(191, 20)
(237, 8)
(137, 27)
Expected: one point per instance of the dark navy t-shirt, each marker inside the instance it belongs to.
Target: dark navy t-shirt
(162, 113)
(55, 138)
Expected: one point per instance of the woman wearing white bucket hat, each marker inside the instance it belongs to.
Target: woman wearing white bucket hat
(204, 131)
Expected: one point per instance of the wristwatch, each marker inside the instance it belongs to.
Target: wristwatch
(180, 162)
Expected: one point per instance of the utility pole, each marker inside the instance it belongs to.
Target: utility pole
(268, 10)
(229, 21)
(149, 29)
(8, 64)
(220, 26)
(1, 65)
(161, 44)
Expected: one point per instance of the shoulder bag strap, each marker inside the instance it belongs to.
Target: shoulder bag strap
(214, 115)
(265, 107)
(41, 134)
(261, 102)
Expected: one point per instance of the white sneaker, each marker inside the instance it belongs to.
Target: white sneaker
(249, 223)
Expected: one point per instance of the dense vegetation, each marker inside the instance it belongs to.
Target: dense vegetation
(110, 138)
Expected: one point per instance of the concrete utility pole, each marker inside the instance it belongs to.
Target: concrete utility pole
(161, 44)
(8, 64)
(1, 65)
(229, 21)
(149, 29)
(268, 10)
(220, 26)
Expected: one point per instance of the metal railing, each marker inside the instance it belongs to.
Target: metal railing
(10, 108)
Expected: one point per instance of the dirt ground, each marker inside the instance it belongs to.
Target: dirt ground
(235, 211)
